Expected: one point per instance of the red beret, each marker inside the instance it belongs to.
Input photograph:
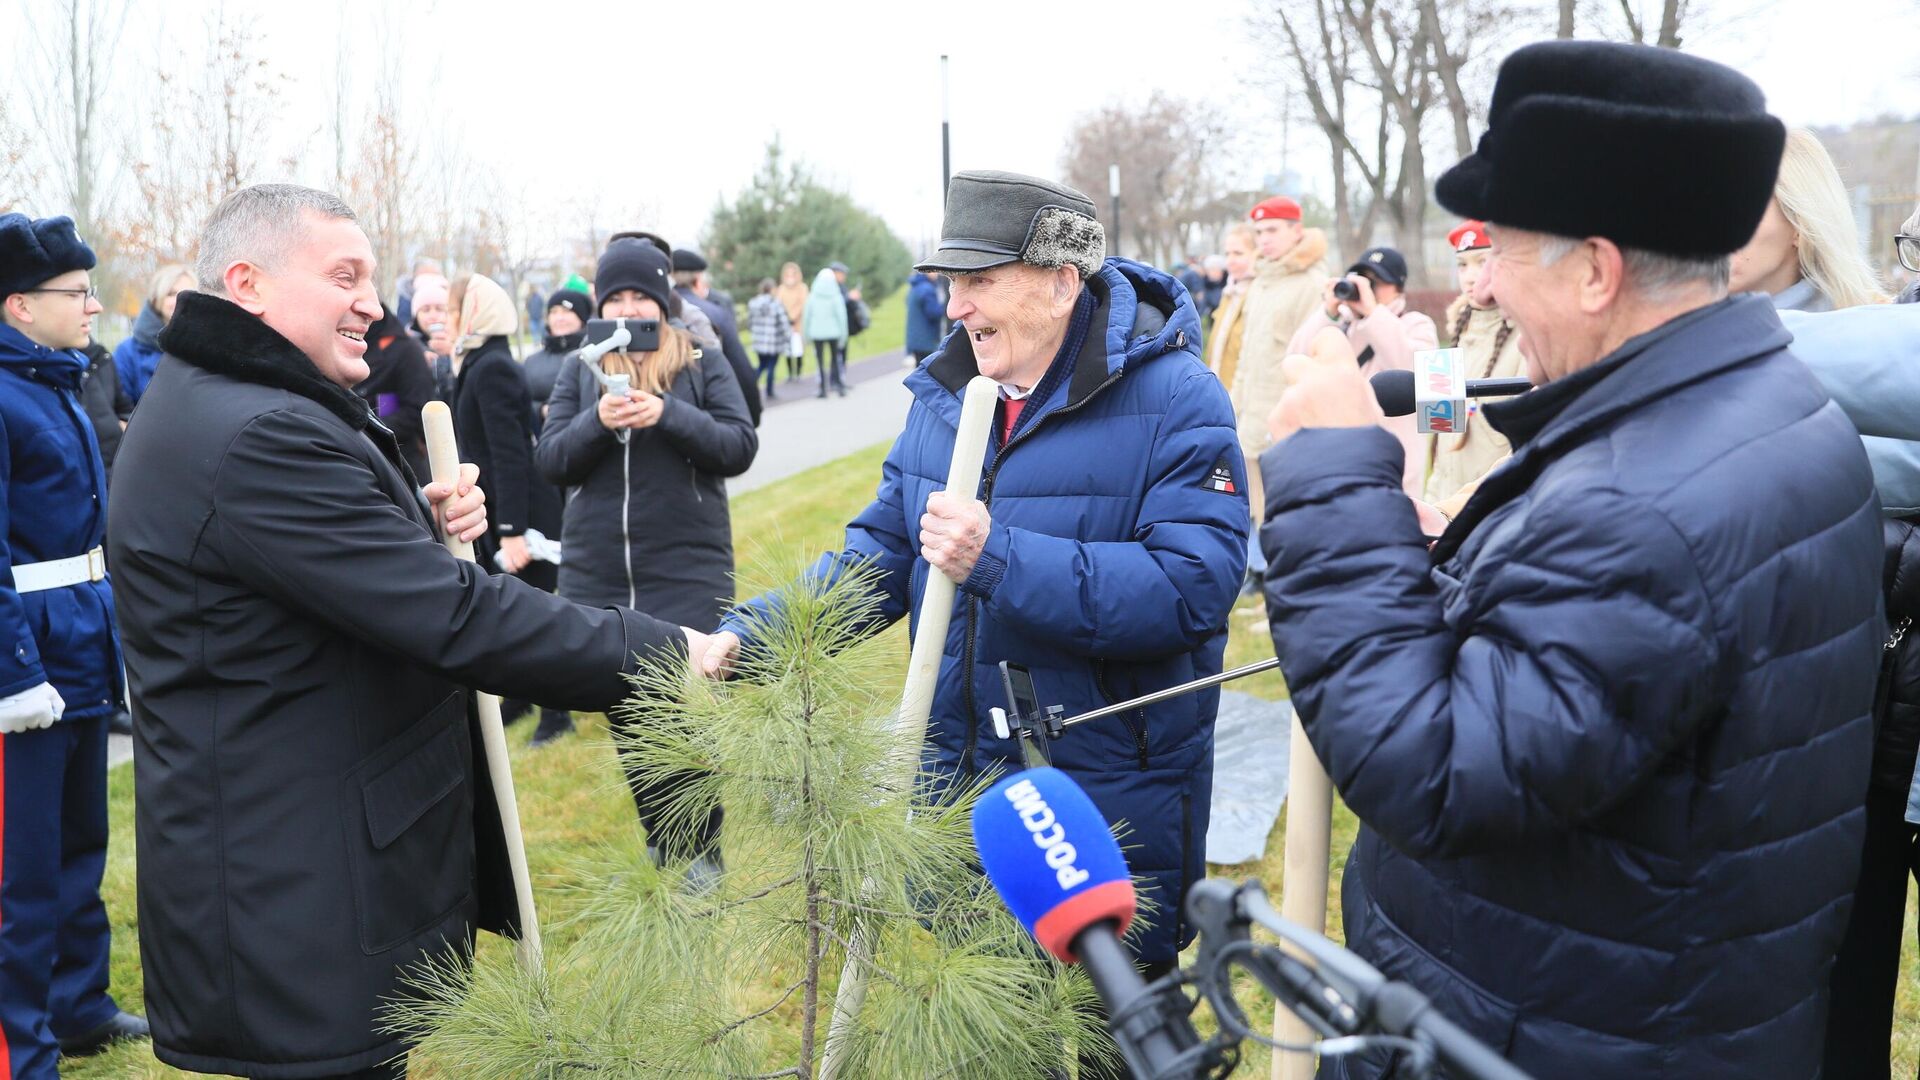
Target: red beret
(1469, 236)
(1279, 207)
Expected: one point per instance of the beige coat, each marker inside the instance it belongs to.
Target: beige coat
(1394, 334)
(1281, 295)
(1461, 459)
(794, 298)
(1227, 333)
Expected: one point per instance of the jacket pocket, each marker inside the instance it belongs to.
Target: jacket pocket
(1489, 1018)
(1135, 719)
(408, 813)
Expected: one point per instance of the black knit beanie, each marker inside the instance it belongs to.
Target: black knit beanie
(633, 263)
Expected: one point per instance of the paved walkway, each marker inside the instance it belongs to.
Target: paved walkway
(799, 430)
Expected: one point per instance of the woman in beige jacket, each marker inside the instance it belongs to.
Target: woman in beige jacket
(792, 294)
(1229, 329)
(1492, 351)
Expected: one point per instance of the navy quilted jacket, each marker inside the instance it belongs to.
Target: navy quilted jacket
(1609, 739)
(1115, 555)
(53, 505)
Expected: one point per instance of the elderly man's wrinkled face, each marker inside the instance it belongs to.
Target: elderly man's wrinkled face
(321, 297)
(1015, 318)
(1544, 303)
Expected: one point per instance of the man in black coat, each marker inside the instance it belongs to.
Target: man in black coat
(313, 818)
(691, 283)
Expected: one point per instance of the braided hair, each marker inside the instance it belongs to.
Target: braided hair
(1499, 338)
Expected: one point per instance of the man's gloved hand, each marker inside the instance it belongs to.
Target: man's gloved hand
(31, 709)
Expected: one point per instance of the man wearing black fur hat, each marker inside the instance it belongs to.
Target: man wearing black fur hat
(310, 822)
(1607, 739)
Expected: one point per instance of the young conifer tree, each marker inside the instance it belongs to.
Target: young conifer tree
(654, 978)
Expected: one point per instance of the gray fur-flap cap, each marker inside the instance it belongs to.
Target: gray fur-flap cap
(994, 218)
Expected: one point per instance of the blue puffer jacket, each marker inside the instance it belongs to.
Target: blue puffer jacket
(1114, 557)
(1609, 740)
(924, 312)
(137, 356)
(53, 505)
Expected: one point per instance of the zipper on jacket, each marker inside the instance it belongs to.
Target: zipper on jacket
(693, 478)
(973, 624)
(1136, 720)
(626, 519)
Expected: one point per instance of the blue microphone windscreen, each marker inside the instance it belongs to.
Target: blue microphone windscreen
(1051, 857)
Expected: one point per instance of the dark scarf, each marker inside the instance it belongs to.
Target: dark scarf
(217, 335)
(562, 344)
(146, 328)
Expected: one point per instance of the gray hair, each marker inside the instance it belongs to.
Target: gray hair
(258, 225)
(1912, 225)
(1654, 274)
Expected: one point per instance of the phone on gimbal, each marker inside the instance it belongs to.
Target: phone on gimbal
(645, 333)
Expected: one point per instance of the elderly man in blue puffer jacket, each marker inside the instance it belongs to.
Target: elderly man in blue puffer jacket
(1104, 549)
(1608, 740)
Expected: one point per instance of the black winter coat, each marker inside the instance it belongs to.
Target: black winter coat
(491, 419)
(398, 383)
(727, 328)
(312, 816)
(646, 521)
(105, 400)
(1896, 703)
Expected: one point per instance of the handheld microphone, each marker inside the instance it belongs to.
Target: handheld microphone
(1395, 390)
(1053, 859)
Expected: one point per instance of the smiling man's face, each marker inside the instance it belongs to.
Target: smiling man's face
(322, 298)
(1013, 319)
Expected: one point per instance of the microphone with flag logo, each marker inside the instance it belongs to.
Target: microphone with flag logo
(1051, 856)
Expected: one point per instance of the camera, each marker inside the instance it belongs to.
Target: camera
(1346, 289)
(645, 333)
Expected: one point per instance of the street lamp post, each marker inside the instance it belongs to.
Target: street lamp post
(1113, 190)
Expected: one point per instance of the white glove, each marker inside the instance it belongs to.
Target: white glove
(31, 709)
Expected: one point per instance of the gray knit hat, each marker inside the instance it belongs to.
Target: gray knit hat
(994, 218)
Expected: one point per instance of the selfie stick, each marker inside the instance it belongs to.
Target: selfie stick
(443, 458)
(916, 701)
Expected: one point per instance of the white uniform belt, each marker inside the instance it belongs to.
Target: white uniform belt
(59, 573)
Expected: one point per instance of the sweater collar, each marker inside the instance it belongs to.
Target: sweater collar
(217, 335)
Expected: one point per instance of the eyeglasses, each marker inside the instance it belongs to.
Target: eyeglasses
(1908, 248)
(88, 293)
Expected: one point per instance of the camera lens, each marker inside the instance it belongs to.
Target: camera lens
(1345, 289)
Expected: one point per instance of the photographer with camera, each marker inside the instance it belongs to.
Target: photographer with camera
(1368, 305)
(647, 525)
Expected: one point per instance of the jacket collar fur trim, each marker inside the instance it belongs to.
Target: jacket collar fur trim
(217, 335)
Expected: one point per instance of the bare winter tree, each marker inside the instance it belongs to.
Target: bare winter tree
(74, 44)
(15, 178)
(383, 182)
(1169, 151)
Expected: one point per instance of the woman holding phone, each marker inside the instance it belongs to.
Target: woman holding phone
(646, 523)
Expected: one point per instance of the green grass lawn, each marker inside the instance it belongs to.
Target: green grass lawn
(573, 803)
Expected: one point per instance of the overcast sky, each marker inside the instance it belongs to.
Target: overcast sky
(664, 108)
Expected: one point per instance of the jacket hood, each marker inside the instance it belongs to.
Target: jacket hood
(1144, 313)
(824, 280)
(216, 335)
(485, 311)
(147, 327)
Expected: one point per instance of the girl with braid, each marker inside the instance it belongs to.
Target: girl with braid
(1492, 349)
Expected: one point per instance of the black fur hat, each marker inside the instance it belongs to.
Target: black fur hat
(35, 252)
(1650, 148)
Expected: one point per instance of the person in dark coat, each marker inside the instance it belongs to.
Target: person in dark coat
(1607, 738)
(105, 401)
(1109, 542)
(60, 665)
(647, 523)
(567, 313)
(691, 283)
(924, 312)
(492, 421)
(313, 818)
(399, 383)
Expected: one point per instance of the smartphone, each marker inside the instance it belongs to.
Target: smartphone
(645, 332)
